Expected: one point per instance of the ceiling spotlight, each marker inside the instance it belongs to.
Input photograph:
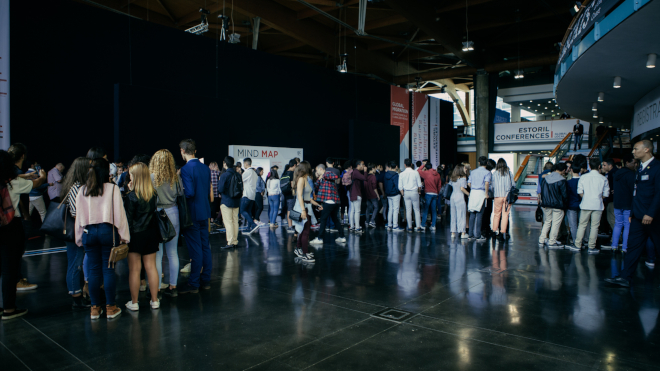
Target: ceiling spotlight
(601, 96)
(468, 46)
(595, 114)
(549, 101)
(611, 126)
(519, 75)
(602, 120)
(617, 82)
(594, 107)
(529, 107)
(552, 111)
(650, 62)
(343, 68)
(530, 101)
(546, 107)
(539, 104)
(521, 104)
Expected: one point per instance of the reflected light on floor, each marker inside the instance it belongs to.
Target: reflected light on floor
(515, 316)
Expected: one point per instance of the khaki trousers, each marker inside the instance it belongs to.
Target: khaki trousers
(552, 219)
(585, 215)
(230, 218)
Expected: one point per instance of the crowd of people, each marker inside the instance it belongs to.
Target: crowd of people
(113, 204)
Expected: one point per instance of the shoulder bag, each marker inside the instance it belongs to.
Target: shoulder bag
(184, 216)
(118, 252)
(165, 226)
(512, 196)
(59, 223)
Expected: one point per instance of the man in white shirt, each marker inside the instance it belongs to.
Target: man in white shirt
(410, 185)
(249, 192)
(479, 182)
(593, 188)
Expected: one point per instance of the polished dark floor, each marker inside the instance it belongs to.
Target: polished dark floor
(474, 305)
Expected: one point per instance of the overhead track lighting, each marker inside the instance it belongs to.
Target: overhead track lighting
(650, 62)
(601, 96)
(602, 120)
(203, 26)
(617, 82)
(595, 114)
(519, 75)
(343, 68)
(468, 45)
(594, 107)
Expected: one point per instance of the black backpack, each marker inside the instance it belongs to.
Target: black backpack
(285, 184)
(449, 189)
(236, 186)
(512, 197)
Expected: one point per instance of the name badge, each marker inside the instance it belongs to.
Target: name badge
(645, 177)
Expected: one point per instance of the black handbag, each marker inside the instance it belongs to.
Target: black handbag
(185, 220)
(296, 216)
(59, 223)
(449, 189)
(165, 226)
(539, 214)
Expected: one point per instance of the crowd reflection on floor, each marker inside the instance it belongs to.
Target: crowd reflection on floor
(473, 304)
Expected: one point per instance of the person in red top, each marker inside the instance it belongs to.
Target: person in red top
(371, 194)
(328, 194)
(432, 185)
(358, 179)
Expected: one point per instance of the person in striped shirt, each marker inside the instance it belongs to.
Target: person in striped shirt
(502, 182)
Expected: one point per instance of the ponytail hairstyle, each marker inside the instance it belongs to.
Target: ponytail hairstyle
(77, 174)
(97, 175)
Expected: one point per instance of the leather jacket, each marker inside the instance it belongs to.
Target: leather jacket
(139, 213)
(553, 191)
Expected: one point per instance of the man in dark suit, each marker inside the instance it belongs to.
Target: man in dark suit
(645, 214)
(196, 179)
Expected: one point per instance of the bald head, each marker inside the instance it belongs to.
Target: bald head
(643, 150)
(59, 166)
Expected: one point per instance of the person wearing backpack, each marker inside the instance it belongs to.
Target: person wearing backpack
(502, 183)
(391, 188)
(12, 236)
(230, 187)
(249, 193)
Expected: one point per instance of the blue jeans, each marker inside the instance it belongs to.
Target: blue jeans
(74, 257)
(273, 208)
(97, 242)
(578, 142)
(431, 201)
(621, 221)
(475, 222)
(199, 250)
(170, 249)
(246, 208)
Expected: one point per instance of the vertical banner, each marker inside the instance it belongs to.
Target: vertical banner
(434, 131)
(4, 74)
(420, 127)
(399, 116)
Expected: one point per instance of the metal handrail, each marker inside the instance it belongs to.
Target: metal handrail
(522, 167)
(598, 143)
(554, 152)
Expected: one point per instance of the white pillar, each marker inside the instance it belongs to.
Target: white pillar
(515, 113)
(4, 75)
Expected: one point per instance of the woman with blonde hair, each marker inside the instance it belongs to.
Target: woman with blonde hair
(140, 205)
(168, 186)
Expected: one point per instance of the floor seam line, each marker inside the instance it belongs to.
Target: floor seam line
(313, 341)
(451, 297)
(347, 348)
(322, 302)
(421, 296)
(56, 343)
(15, 356)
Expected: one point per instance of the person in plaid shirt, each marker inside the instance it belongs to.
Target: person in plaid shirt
(328, 195)
(215, 206)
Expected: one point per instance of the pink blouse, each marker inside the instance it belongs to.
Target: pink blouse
(100, 209)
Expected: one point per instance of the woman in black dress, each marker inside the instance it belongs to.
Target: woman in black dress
(140, 205)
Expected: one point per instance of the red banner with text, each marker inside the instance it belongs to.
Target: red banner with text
(400, 116)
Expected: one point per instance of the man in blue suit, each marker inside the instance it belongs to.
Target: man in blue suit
(645, 213)
(196, 178)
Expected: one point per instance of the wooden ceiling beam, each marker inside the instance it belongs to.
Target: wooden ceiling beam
(378, 23)
(166, 11)
(284, 47)
(423, 15)
(308, 12)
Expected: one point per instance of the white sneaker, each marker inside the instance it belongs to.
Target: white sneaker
(186, 268)
(607, 247)
(164, 286)
(316, 241)
(465, 236)
(155, 304)
(134, 307)
(340, 240)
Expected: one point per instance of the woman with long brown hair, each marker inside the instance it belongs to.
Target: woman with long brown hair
(140, 205)
(74, 179)
(304, 202)
(502, 183)
(100, 225)
(168, 187)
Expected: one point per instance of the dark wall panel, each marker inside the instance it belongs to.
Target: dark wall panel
(448, 136)
(67, 58)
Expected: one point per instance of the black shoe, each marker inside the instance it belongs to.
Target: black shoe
(227, 247)
(205, 286)
(15, 314)
(80, 303)
(173, 293)
(618, 281)
(187, 289)
(500, 236)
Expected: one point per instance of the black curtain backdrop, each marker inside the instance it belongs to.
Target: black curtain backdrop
(448, 134)
(68, 58)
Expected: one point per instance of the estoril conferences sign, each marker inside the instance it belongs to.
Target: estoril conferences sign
(536, 131)
(647, 113)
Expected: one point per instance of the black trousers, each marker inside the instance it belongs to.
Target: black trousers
(12, 246)
(637, 237)
(258, 206)
(332, 211)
